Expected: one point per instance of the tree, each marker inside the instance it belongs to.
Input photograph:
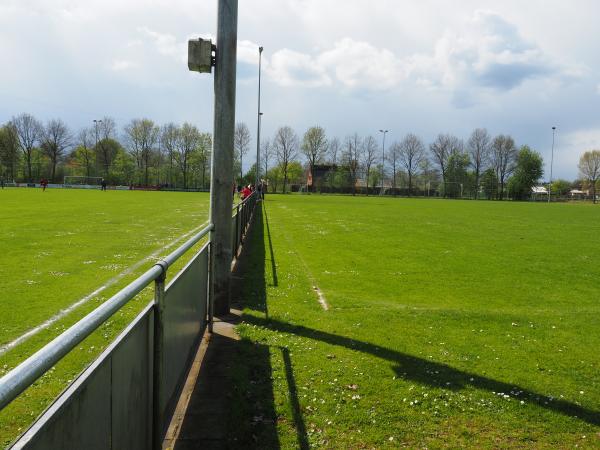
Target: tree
(29, 132)
(428, 174)
(142, 136)
(105, 149)
(444, 146)
(334, 150)
(411, 152)
(84, 151)
(561, 187)
(241, 142)
(479, 149)
(286, 148)
(503, 153)
(489, 183)
(351, 158)
(168, 141)
(9, 151)
(528, 170)
(56, 139)
(274, 176)
(369, 155)
(188, 139)
(123, 163)
(295, 172)
(267, 154)
(456, 174)
(393, 157)
(589, 168)
(204, 150)
(314, 147)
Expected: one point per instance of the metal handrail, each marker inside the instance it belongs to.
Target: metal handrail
(21, 377)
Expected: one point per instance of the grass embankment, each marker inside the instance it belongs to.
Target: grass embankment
(452, 324)
(60, 245)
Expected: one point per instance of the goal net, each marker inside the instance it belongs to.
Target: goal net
(82, 182)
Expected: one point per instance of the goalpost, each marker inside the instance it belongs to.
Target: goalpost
(72, 181)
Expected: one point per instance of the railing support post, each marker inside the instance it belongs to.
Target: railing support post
(158, 406)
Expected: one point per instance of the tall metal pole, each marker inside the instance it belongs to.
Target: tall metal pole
(259, 114)
(384, 132)
(221, 181)
(551, 164)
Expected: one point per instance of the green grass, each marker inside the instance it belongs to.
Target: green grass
(452, 324)
(59, 246)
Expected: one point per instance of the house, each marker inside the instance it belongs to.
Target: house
(321, 174)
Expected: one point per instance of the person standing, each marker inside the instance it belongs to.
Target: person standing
(44, 184)
(103, 184)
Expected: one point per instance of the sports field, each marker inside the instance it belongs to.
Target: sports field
(368, 322)
(450, 324)
(63, 247)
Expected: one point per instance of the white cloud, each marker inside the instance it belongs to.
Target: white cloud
(119, 65)
(166, 44)
(247, 52)
(290, 68)
(571, 146)
(360, 64)
(487, 53)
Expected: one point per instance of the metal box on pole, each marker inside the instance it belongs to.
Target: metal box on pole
(200, 55)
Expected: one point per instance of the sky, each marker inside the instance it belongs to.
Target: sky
(424, 67)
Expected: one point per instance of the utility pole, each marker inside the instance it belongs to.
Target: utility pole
(260, 50)
(201, 59)
(221, 194)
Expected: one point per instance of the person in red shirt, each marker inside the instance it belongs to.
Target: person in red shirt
(246, 192)
(44, 184)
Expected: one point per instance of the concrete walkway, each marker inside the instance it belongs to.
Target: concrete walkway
(202, 414)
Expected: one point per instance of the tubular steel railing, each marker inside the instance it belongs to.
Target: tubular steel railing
(123, 399)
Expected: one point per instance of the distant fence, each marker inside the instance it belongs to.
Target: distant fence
(125, 398)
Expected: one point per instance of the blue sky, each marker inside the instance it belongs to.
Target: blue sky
(354, 66)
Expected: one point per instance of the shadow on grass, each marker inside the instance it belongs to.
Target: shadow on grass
(407, 366)
(272, 253)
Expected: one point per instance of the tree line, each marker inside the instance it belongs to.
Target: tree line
(483, 164)
(142, 153)
(178, 156)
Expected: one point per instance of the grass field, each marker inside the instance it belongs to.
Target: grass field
(451, 324)
(59, 246)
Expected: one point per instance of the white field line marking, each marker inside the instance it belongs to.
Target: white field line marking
(320, 296)
(63, 312)
(322, 299)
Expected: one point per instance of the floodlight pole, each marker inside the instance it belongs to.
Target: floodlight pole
(384, 132)
(551, 164)
(260, 50)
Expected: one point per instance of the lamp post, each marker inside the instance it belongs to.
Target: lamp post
(384, 132)
(96, 122)
(551, 164)
(259, 115)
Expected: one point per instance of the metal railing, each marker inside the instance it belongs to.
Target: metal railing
(123, 398)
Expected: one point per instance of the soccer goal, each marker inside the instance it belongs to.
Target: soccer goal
(72, 181)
